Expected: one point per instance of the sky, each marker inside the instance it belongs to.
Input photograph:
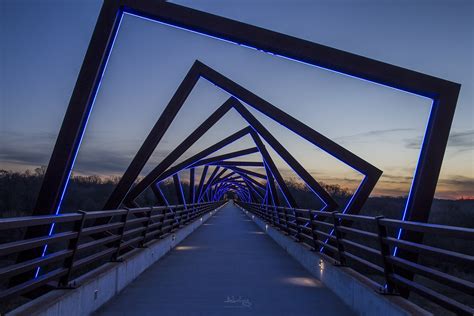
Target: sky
(43, 45)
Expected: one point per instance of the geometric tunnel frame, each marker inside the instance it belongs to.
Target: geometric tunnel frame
(201, 156)
(200, 70)
(214, 179)
(443, 94)
(157, 174)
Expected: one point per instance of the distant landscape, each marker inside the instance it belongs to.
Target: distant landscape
(19, 190)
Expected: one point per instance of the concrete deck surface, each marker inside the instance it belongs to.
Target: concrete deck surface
(228, 266)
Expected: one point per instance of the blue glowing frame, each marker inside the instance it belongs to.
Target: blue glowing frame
(251, 183)
(193, 196)
(223, 184)
(221, 161)
(443, 93)
(220, 181)
(199, 70)
(227, 183)
(200, 158)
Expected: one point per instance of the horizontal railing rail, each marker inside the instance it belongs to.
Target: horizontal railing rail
(80, 243)
(368, 244)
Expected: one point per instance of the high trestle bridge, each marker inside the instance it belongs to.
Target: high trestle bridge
(238, 240)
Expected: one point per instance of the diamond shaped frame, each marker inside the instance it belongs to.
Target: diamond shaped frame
(200, 70)
(443, 93)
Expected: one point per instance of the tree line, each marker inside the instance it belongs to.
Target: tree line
(19, 190)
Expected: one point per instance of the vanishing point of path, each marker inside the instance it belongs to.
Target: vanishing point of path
(228, 266)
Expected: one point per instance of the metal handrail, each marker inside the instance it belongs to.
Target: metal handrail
(374, 250)
(82, 253)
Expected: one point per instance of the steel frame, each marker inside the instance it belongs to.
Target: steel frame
(199, 70)
(199, 157)
(443, 93)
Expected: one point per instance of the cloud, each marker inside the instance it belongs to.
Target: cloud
(462, 140)
(455, 187)
(450, 187)
(98, 157)
(23, 156)
(371, 134)
(391, 178)
(16, 148)
(457, 182)
(458, 141)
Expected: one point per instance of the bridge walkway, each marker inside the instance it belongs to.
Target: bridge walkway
(228, 266)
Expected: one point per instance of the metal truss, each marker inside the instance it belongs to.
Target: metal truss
(443, 94)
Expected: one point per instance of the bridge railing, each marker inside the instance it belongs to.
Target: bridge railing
(369, 245)
(84, 240)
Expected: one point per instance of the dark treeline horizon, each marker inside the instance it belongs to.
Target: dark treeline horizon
(19, 190)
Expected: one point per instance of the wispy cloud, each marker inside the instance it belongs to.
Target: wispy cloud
(368, 136)
(18, 149)
(462, 140)
(455, 187)
(458, 141)
(457, 181)
(449, 186)
(98, 157)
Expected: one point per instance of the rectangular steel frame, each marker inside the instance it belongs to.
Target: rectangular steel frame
(443, 93)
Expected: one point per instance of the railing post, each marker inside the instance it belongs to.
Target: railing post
(162, 222)
(180, 216)
(272, 214)
(262, 213)
(142, 242)
(389, 287)
(287, 227)
(298, 227)
(174, 219)
(313, 228)
(73, 244)
(197, 211)
(121, 232)
(188, 215)
(191, 212)
(340, 246)
(278, 221)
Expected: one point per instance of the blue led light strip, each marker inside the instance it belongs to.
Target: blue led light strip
(188, 30)
(58, 209)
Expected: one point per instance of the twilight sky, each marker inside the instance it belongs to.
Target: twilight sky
(43, 45)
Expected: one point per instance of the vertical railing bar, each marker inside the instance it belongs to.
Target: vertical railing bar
(179, 217)
(73, 244)
(298, 227)
(124, 219)
(162, 222)
(313, 228)
(286, 221)
(188, 214)
(340, 246)
(276, 210)
(141, 244)
(272, 214)
(389, 287)
(174, 219)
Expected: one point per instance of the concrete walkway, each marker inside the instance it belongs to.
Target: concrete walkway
(226, 267)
